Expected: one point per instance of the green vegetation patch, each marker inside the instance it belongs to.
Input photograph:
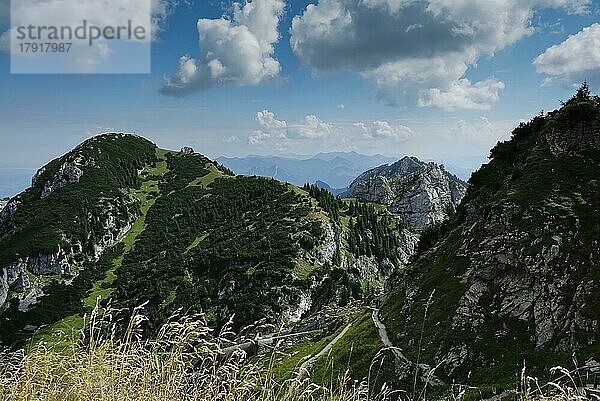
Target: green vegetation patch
(229, 244)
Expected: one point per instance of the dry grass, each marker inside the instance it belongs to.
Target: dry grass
(184, 362)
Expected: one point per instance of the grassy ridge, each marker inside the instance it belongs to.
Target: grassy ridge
(184, 362)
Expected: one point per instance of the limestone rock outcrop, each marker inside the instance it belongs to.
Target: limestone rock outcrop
(420, 193)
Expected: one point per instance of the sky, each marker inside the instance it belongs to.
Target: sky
(442, 80)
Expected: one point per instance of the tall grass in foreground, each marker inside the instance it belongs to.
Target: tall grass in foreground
(184, 362)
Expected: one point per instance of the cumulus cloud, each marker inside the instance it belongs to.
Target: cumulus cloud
(482, 130)
(266, 119)
(258, 137)
(270, 127)
(575, 59)
(384, 130)
(462, 94)
(239, 50)
(419, 50)
(312, 127)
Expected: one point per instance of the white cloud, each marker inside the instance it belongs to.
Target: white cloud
(266, 119)
(363, 129)
(416, 49)
(312, 127)
(482, 130)
(575, 59)
(237, 51)
(463, 95)
(258, 137)
(384, 130)
(270, 127)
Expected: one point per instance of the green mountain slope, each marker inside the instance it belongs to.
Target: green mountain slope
(220, 244)
(117, 218)
(90, 180)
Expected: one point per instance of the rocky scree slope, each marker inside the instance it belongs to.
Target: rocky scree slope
(515, 275)
(420, 193)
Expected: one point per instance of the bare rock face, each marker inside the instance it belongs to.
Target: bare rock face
(420, 193)
(7, 210)
(69, 172)
(3, 203)
(507, 281)
(14, 277)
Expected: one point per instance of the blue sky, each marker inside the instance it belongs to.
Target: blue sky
(314, 101)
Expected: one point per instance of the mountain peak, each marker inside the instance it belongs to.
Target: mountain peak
(420, 193)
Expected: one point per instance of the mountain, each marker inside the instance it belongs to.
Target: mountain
(73, 210)
(420, 193)
(3, 203)
(337, 169)
(119, 218)
(420, 290)
(512, 279)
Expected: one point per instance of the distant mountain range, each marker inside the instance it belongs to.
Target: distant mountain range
(332, 170)
(336, 169)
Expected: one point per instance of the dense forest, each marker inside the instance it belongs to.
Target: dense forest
(227, 246)
(372, 231)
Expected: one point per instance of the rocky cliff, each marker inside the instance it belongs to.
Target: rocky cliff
(420, 193)
(3, 203)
